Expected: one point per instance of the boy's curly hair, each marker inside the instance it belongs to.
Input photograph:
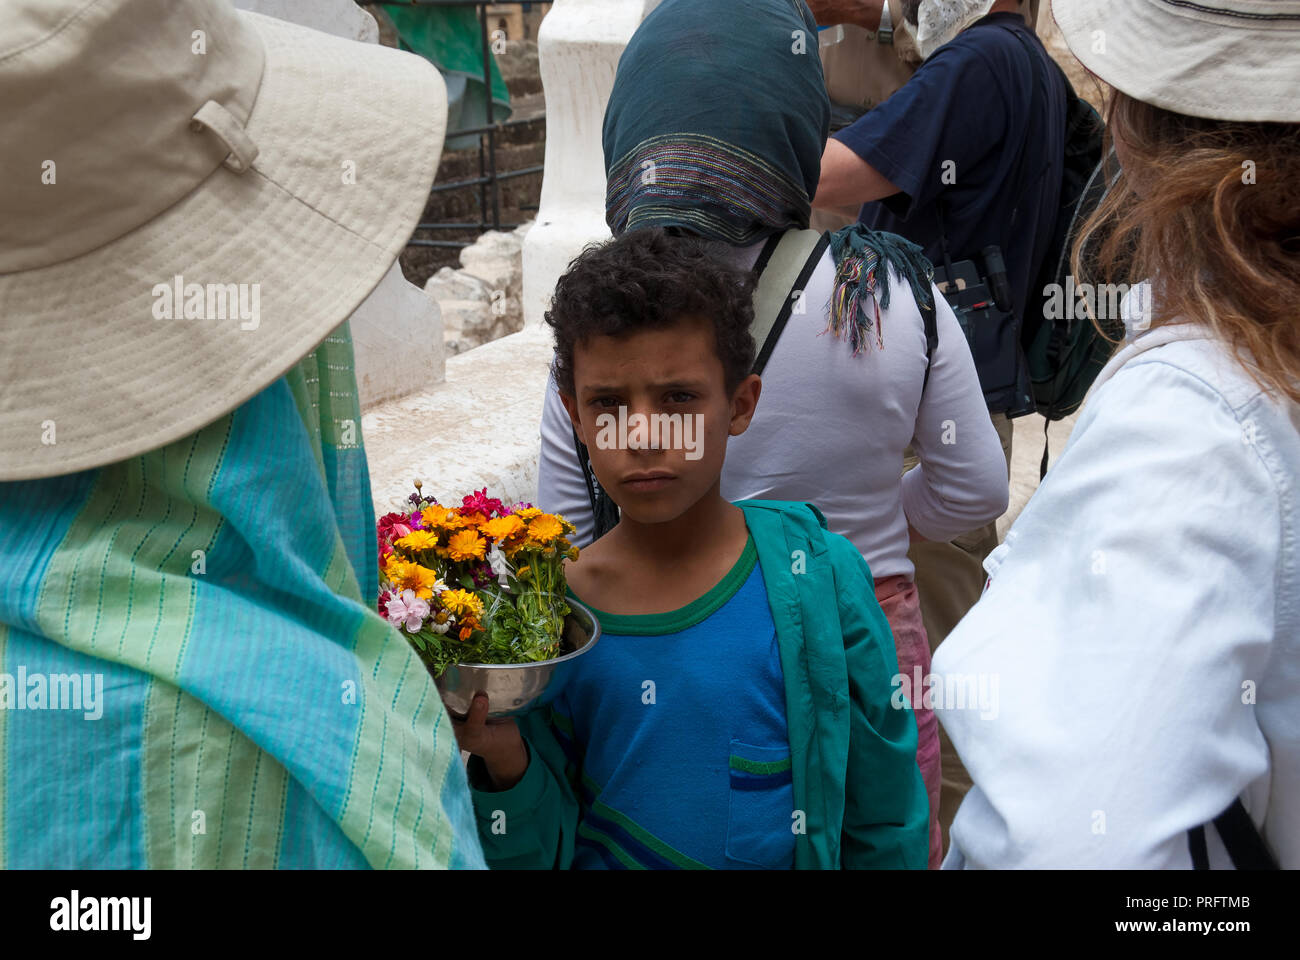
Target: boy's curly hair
(646, 279)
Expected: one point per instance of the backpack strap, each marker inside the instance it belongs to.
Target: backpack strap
(1240, 837)
(785, 269)
(930, 317)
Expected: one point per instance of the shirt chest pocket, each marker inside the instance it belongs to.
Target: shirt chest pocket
(760, 810)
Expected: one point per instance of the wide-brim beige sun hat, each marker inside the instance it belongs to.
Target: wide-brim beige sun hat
(1218, 59)
(268, 173)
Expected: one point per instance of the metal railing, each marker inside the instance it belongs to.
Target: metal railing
(488, 179)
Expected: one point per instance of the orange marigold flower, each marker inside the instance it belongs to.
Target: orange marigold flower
(395, 568)
(527, 513)
(441, 518)
(544, 529)
(411, 576)
(417, 540)
(462, 603)
(423, 581)
(465, 633)
(503, 528)
(466, 545)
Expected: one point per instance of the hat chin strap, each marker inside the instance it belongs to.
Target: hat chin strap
(224, 124)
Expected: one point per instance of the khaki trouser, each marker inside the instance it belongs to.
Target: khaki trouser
(950, 578)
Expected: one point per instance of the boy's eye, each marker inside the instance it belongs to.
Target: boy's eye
(681, 396)
(605, 402)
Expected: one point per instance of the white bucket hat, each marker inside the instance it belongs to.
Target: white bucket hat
(192, 197)
(1218, 59)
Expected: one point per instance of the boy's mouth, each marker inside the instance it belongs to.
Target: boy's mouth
(645, 482)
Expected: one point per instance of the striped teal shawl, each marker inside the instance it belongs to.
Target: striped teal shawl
(254, 711)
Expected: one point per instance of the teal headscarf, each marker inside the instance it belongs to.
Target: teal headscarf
(717, 123)
(717, 120)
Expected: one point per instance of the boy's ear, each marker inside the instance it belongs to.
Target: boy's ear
(571, 408)
(743, 402)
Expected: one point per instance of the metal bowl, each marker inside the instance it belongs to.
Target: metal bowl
(515, 688)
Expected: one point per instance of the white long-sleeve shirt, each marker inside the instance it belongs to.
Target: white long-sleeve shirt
(830, 428)
(1141, 629)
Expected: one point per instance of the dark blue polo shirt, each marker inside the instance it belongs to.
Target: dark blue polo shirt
(969, 128)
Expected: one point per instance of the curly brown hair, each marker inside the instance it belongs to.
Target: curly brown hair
(652, 278)
(1209, 210)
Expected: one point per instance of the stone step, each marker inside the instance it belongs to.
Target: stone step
(479, 428)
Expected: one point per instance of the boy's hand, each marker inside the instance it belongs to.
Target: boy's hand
(499, 744)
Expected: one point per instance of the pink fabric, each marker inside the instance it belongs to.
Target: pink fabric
(899, 600)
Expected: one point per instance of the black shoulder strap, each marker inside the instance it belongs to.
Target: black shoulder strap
(930, 315)
(604, 511)
(1240, 837)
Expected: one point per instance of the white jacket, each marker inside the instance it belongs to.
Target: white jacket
(1142, 627)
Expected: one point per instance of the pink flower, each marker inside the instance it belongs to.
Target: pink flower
(383, 601)
(384, 526)
(481, 503)
(408, 610)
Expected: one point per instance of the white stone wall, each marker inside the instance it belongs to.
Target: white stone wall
(481, 427)
(579, 45)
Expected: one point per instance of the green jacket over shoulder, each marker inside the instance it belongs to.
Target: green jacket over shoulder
(855, 776)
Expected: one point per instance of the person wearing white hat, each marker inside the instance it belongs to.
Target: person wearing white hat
(1143, 615)
(194, 201)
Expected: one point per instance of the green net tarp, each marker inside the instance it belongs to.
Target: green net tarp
(451, 39)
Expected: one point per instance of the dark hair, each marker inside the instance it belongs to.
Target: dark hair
(646, 279)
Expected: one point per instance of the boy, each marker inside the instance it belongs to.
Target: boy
(736, 711)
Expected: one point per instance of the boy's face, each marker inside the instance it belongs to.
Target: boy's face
(665, 451)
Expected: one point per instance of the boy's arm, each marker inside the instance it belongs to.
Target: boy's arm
(886, 811)
(532, 825)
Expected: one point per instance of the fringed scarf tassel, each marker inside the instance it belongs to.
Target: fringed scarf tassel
(863, 261)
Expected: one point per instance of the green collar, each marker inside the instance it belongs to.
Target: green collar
(675, 621)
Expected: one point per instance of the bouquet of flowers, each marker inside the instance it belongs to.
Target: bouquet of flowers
(478, 583)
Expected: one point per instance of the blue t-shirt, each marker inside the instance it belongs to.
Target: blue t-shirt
(678, 722)
(970, 128)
